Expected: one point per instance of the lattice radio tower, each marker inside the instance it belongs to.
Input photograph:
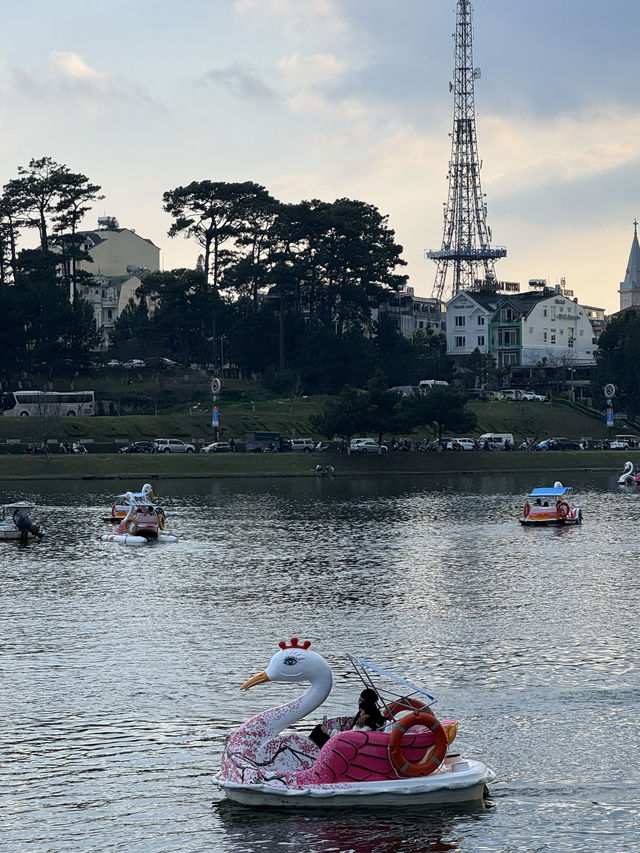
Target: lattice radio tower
(466, 238)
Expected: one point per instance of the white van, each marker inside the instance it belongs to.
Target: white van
(428, 384)
(496, 441)
(513, 394)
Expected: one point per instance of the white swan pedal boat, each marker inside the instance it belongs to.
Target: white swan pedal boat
(143, 522)
(16, 523)
(409, 762)
(628, 477)
(121, 503)
(550, 505)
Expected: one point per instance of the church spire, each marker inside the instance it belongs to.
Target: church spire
(630, 287)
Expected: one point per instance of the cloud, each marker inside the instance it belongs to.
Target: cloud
(297, 19)
(68, 76)
(74, 68)
(316, 70)
(307, 79)
(240, 81)
(525, 152)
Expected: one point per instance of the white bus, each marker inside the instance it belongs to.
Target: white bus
(48, 403)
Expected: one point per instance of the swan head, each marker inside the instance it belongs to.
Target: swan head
(557, 484)
(147, 489)
(293, 663)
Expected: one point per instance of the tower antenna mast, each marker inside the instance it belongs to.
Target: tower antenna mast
(466, 238)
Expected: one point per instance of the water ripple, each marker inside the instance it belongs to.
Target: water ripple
(119, 668)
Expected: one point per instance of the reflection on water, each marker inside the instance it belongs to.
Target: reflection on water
(414, 831)
(119, 667)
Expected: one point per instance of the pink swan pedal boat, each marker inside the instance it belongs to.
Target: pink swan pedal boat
(548, 506)
(409, 762)
(143, 522)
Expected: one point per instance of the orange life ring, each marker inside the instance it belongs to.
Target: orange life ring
(562, 508)
(527, 509)
(433, 757)
(131, 526)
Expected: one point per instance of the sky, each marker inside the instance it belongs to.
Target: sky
(332, 99)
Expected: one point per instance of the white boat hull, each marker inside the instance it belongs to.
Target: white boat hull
(130, 539)
(124, 539)
(13, 535)
(464, 781)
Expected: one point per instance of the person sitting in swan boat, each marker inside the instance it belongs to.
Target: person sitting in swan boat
(367, 719)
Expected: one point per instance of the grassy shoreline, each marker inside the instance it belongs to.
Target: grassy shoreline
(103, 466)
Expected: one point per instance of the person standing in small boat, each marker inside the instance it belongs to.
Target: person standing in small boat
(23, 522)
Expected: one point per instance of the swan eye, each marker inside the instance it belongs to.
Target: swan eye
(290, 661)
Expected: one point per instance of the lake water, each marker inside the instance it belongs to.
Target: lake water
(119, 668)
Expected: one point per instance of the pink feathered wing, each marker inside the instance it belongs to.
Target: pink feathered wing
(362, 756)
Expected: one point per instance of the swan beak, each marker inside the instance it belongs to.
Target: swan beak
(260, 678)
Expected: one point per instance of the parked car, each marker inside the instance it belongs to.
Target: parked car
(477, 394)
(139, 447)
(113, 363)
(302, 445)
(618, 444)
(217, 447)
(531, 395)
(513, 394)
(366, 445)
(561, 444)
(463, 444)
(134, 364)
(173, 445)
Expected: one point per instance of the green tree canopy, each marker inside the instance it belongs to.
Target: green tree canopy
(218, 215)
(441, 409)
(618, 361)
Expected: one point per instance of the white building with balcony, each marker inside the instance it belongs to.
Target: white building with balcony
(409, 312)
(108, 296)
(120, 259)
(520, 329)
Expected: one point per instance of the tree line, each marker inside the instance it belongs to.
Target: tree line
(284, 291)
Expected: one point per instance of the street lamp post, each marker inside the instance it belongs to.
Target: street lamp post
(215, 414)
(222, 339)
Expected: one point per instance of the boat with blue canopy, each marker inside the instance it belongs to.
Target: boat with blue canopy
(549, 505)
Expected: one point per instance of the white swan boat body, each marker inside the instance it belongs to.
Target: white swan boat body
(549, 505)
(628, 477)
(142, 523)
(16, 523)
(409, 762)
(120, 505)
